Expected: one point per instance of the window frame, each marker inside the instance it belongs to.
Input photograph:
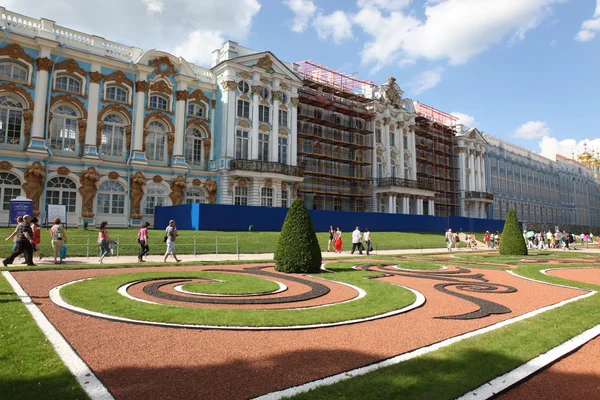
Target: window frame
(240, 195)
(70, 77)
(70, 201)
(155, 196)
(13, 63)
(244, 107)
(66, 126)
(283, 118)
(200, 105)
(199, 136)
(7, 136)
(116, 199)
(8, 184)
(162, 96)
(195, 190)
(155, 133)
(116, 86)
(241, 145)
(282, 149)
(264, 139)
(264, 113)
(266, 197)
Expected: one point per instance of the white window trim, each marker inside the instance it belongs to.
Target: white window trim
(29, 67)
(169, 101)
(202, 103)
(62, 72)
(129, 93)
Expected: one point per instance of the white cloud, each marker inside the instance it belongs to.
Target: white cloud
(385, 4)
(303, 12)
(550, 146)
(426, 80)
(455, 30)
(553, 43)
(532, 130)
(590, 27)
(337, 25)
(465, 119)
(132, 23)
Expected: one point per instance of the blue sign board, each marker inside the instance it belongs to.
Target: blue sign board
(18, 208)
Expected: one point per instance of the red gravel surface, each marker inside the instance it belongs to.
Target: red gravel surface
(586, 275)
(142, 362)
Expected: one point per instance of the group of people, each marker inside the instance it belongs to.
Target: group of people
(360, 241)
(557, 240)
(492, 240)
(27, 237)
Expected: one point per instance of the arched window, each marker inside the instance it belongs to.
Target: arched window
(196, 109)
(117, 93)
(243, 87)
(159, 102)
(155, 141)
(62, 190)
(113, 134)
(68, 83)
(195, 195)
(63, 133)
(13, 70)
(194, 145)
(10, 187)
(156, 195)
(111, 198)
(11, 120)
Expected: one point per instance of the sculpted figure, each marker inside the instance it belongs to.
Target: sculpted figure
(211, 188)
(178, 190)
(88, 191)
(136, 190)
(34, 184)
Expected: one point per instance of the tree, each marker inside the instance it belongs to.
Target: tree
(298, 248)
(512, 242)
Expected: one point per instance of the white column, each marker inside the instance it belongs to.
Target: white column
(293, 142)
(44, 63)
(413, 158)
(391, 208)
(90, 149)
(405, 205)
(420, 205)
(387, 145)
(178, 159)
(431, 207)
(139, 157)
(472, 167)
(483, 174)
(228, 145)
(273, 139)
(212, 128)
(255, 122)
(462, 165)
(400, 138)
(479, 166)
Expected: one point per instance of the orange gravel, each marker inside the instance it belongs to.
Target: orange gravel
(141, 362)
(585, 275)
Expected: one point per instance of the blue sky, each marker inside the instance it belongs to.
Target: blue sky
(522, 70)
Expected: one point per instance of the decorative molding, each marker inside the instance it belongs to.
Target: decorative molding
(284, 186)
(70, 66)
(113, 175)
(44, 64)
(196, 182)
(160, 116)
(294, 101)
(82, 124)
(27, 121)
(35, 176)
(243, 182)
(162, 66)
(157, 179)
(283, 131)
(264, 128)
(181, 95)
(211, 188)
(265, 63)
(161, 87)
(213, 103)
(244, 75)
(16, 52)
(5, 165)
(232, 180)
(118, 77)
(378, 124)
(10, 87)
(245, 97)
(284, 86)
(63, 171)
(276, 95)
(296, 189)
(177, 194)
(70, 99)
(104, 111)
(268, 183)
(243, 123)
(386, 120)
(206, 144)
(228, 86)
(95, 77)
(256, 89)
(265, 80)
(88, 190)
(170, 143)
(199, 95)
(200, 123)
(136, 193)
(141, 86)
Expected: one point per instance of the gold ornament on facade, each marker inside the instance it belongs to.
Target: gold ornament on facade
(69, 99)
(88, 190)
(243, 123)
(206, 144)
(196, 182)
(232, 180)
(296, 189)
(141, 86)
(284, 186)
(386, 120)
(283, 131)
(256, 89)
(44, 64)
(95, 77)
(211, 188)
(265, 80)
(160, 116)
(245, 75)
(295, 101)
(157, 179)
(265, 63)
(10, 87)
(284, 86)
(162, 66)
(82, 124)
(379, 151)
(199, 95)
(114, 108)
(277, 95)
(170, 143)
(118, 77)
(182, 95)
(268, 183)
(113, 175)
(378, 124)
(5, 165)
(136, 193)
(27, 121)
(63, 171)
(177, 194)
(229, 86)
(35, 176)
(242, 182)
(16, 52)
(71, 66)
(245, 97)
(199, 123)
(99, 128)
(264, 128)
(161, 87)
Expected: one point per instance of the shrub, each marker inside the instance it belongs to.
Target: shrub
(512, 242)
(298, 248)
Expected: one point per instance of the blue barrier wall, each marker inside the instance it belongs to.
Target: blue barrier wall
(220, 217)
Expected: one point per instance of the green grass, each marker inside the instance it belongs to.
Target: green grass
(100, 295)
(233, 284)
(29, 366)
(228, 242)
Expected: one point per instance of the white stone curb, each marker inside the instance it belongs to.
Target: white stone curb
(84, 376)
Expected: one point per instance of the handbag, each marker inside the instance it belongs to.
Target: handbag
(165, 238)
(63, 252)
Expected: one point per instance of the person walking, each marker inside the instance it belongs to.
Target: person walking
(170, 235)
(59, 237)
(367, 239)
(142, 239)
(103, 240)
(486, 239)
(24, 237)
(356, 241)
(449, 239)
(331, 242)
(338, 240)
(37, 237)
(457, 241)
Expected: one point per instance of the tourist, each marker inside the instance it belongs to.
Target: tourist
(331, 242)
(142, 239)
(103, 240)
(492, 239)
(468, 240)
(486, 239)
(367, 239)
(497, 240)
(59, 237)
(14, 235)
(24, 237)
(549, 239)
(170, 236)
(37, 237)
(473, 241)
(457, 241)
(586, 238)
(356, 241)
(338, 240)
(449, 239)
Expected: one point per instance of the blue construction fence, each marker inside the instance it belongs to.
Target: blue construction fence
(219, 217)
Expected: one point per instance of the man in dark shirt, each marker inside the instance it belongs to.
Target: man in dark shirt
(24, 242)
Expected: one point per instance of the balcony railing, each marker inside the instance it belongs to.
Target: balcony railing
(405, 183)
(479, 195)
(265, 166)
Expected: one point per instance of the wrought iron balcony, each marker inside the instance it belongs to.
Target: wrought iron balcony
(265, 166)
(405, 183)
(479, 195)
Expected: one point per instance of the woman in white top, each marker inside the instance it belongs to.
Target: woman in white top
(367, 239)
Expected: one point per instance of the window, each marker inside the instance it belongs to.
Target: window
(68, 83)
(196, 109)
(195, 195)
(263, 147)
(12, 70)
(283, 118)
(263, 113)
(378, 135)
(117, 93)
(240, 197)
(155, 141)
(405, 141)
(243, 109)
(266, 197)
(113, 134)
(395, 169)
(159, 102)
(194, 146)
(62, 190)
(358, 124)
(379, 168)
(11, 120)
(111, 198)
(407, 169)
(337, 204)
(318, 113)
(283, 150)
(284, 198)
(392, 139)
(63, 133)
(264, 93)
(243, 87)
(156, 196)
(283, 98)
(241, 144)
(10, 187)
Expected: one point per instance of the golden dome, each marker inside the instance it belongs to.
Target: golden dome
(585, 157)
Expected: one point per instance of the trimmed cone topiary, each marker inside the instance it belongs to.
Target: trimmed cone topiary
(512, 242)
(298, 248)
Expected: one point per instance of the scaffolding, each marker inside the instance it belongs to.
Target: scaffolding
(434, 145)
(335, 138)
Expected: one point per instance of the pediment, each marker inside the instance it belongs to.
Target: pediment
(267, 62)
(475, 134)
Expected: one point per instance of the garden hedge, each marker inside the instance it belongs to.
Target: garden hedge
(512, 241)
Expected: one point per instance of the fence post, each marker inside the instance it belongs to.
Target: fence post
(194, 245)
(118, 244)
(237, 247)
(87, 251)
(217, 245)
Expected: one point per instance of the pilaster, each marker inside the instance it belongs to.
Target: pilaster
(181, 95)
(139, 157)
(255, 122)
(90, 149)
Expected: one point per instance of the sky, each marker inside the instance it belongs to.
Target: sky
(525, 71)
